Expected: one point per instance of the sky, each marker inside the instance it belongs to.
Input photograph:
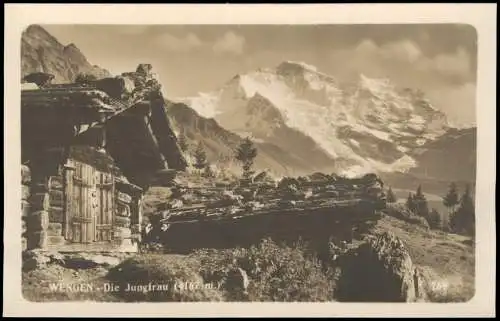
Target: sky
(440, 60)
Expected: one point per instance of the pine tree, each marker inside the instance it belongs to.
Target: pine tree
(391, 197)
(464, 219)
(200, 157)
(451, 199)
(182, 141)
(410, 204)
(246, 153)
(434, 219)
(420, 203)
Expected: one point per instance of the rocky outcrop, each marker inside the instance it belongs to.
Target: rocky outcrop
(38, 259)
(41, 52)
(39, 78)
(379, 270)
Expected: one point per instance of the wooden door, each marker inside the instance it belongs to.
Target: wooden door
(90, 205)
(104, 214)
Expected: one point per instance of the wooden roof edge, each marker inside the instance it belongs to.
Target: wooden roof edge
(123, 183)
(306, 211)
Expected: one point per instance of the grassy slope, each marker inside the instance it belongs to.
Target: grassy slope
(447, 259)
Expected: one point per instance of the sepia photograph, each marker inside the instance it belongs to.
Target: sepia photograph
(328, 162)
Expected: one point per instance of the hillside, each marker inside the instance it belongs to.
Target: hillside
(220, 143)
(450, 157)
(41, 52)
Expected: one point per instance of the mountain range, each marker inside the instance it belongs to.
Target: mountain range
(370, 125)
(301, 120)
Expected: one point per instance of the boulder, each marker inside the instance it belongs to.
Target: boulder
(35, 259)
(41, 79)
(237, 281)
(56, 257)
(144, 69)
(128, 84)
(379, 270)
(231, 196)
(176, 203)
(89, 260)
(29, 86)
(115, 87)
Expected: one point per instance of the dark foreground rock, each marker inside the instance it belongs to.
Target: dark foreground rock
(37, 259)
(379, 270)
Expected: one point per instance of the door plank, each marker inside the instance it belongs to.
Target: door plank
(75, 226)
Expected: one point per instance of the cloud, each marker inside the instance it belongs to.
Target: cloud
(404, 51)
(179, 44)
(407, 54)
(230, 42)
(457, 102)
(446, 78)
(455, 65)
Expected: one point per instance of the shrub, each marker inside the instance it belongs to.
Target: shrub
(85, 78)
(276, 272)
(401, 212)
(170, 272)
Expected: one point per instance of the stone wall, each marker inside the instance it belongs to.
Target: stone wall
(56, 209)
(43, 205)
(25, 205)
(37, 219)
(122, 232)
(128, 215)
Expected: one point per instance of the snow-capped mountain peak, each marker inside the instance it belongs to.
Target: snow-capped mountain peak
(368, 125)
(295, 66)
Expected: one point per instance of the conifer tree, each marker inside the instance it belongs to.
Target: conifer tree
(410, 204)
(200, 157)
(182, 141)
(391, 197)
(464, 219)
(420, 203)
(451, 199)
(246, 153)
(434, 219)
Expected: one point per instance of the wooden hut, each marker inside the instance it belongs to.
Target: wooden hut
(88, 155)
